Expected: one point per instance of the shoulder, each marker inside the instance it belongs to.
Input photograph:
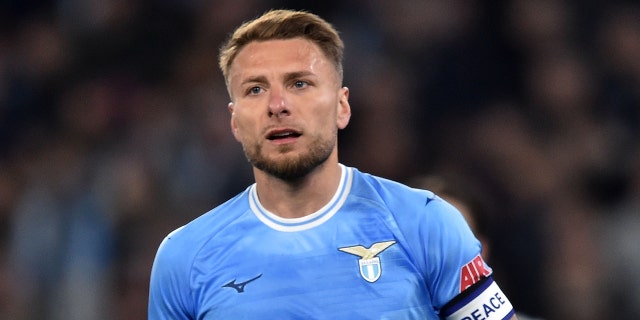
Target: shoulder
(170, 290)
(405, 202)
(181, 245)
(392, 193)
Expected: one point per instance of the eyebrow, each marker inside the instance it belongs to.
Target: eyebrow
(287, 77)
(298, 74)
(256, 79)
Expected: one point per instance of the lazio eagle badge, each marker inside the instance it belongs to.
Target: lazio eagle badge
(370, 267)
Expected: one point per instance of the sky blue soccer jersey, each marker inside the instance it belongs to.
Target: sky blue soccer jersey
(377, 250)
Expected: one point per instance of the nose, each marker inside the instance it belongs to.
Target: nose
(278, 105)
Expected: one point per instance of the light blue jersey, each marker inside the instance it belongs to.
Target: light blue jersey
(377, 250)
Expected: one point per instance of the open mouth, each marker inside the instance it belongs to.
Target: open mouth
(283, 134)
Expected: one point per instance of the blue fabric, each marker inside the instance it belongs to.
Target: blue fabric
(240, 261)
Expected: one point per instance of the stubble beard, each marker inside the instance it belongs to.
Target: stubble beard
(291, 168)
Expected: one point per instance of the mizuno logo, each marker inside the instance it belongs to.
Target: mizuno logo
(240, 286)
(370, 266)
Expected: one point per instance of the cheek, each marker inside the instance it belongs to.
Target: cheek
(325, 107)
(238, 130)
(235, 129)
(243, 128)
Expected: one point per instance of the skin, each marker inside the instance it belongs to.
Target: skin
(289, 87)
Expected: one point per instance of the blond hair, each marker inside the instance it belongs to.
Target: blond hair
(284, 24)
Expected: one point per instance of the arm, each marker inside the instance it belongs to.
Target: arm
(483, 300)
(462, 282)
(168, 288)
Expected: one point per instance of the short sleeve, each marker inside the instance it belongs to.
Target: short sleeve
(460, 280)
(169, 293)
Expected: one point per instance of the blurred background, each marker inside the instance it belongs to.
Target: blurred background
(114, 131)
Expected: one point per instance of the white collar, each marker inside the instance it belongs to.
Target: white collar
(307, 222)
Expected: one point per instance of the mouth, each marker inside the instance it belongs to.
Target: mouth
(278, 135)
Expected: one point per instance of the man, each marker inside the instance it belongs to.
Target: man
(312, 238)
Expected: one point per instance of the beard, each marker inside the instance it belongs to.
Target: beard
(292, 167)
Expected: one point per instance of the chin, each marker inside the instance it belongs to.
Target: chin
(289, 166)
(290, 169)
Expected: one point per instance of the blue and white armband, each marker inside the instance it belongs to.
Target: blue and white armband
(482, 301)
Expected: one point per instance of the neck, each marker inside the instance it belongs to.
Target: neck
(302, 197)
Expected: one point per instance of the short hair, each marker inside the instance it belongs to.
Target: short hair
(280, 25)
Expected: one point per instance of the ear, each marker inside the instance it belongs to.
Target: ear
(234, 126)
(344, 109)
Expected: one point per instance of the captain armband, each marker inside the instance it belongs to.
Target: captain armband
(483, 301)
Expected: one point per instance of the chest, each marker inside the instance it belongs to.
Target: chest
(336, 270)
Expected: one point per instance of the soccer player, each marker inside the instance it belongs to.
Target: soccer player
(313, 238)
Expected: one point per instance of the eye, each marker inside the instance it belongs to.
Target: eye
(254, 90)
(299, 84)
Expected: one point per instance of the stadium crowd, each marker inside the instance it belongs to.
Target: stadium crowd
(114, 131)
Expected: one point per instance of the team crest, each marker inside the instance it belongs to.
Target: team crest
(369, 264)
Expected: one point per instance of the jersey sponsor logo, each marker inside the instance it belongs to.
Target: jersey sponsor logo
(490, 304)
(369, 265)
(240, 286)
(472, 272)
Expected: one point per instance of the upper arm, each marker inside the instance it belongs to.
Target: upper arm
(169, 294)
(449, 252)
(461, 281)
(483, 300)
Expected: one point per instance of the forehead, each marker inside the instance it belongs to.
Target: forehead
(279, 56)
